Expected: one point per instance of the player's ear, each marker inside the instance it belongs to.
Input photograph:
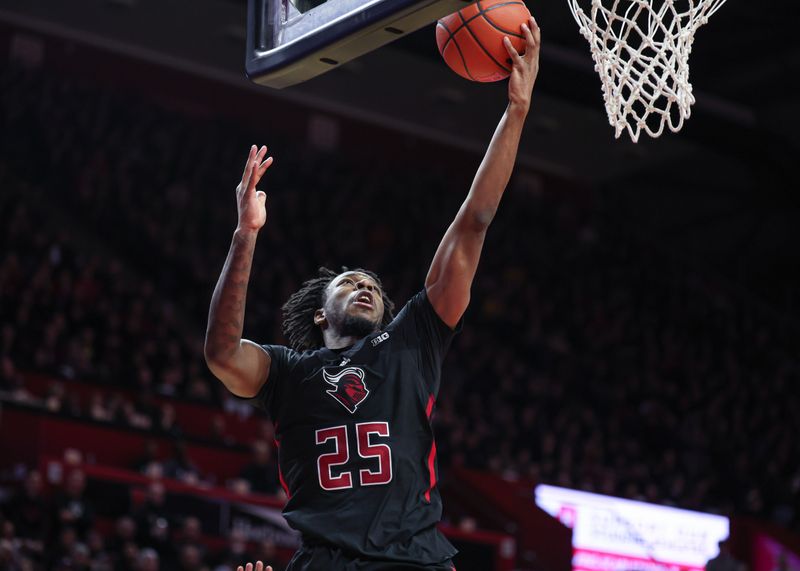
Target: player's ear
(319, 318)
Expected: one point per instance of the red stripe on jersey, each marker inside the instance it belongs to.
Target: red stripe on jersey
(429, 408)
(280, 472)
(432, 470)
(431, 454)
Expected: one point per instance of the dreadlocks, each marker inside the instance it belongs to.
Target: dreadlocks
(298, 312)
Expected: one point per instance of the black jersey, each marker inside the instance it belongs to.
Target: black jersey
(355, 445)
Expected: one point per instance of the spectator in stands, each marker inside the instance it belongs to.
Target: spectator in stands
(122, 544)
(168, 422)
(59, 552)
(30, 511)
(235, 553)
(72, 508)
(54, 399)
(141, 413)
(154, 522)
(78, 559)
(217, 431)
(190, 559)
(101, 558)
(191, 536)
(148, 560)
(98, 409)
(266, 551)
(23, 550)
(129, 558)
(12, 550)
(261, 473)
(180, 467)
(11, 382)
(148, 457)
(16, 553)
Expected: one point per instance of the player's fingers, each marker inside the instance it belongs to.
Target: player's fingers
(262, 168)
(240, 568)
(247, 177)
(512, 52)
(529, 41)
(248, 567)
(257, 168)
(259, 171)
(532, 39)
(248, 182)
(248, 165)
(536, 32)
(259, 566)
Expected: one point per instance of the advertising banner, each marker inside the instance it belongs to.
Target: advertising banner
(613, 534)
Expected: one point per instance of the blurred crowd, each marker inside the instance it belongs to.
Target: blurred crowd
(55, 527)
(589, 359)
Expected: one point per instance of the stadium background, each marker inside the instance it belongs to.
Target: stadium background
(634, 329)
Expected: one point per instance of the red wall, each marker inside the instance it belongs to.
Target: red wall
(27, 434)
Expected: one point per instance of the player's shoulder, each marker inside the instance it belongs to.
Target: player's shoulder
(289, 358)
(416, 303)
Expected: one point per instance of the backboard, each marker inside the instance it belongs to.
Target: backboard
(289, 41)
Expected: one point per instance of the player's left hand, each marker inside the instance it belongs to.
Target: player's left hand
(259, 566)
(524, 68)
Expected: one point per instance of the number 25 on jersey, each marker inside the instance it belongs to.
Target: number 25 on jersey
(367, 448)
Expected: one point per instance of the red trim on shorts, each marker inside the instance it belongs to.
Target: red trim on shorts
(432, 453)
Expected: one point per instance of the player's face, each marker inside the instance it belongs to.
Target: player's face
(353, 304)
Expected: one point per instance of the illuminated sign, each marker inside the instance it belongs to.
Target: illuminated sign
(612, 534)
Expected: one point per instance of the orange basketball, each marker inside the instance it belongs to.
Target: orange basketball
(471, 40)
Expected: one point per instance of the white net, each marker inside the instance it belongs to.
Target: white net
(641, 52)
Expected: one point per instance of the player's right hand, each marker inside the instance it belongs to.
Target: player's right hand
(252, 204)
(525, 67)
(259, 566)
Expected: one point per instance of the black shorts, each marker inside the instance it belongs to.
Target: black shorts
(330, 558)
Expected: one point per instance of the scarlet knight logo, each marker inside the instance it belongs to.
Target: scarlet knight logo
(348, 387)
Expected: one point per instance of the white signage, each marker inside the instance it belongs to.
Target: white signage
(612, 534)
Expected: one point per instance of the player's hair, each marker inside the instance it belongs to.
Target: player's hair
(298, 313)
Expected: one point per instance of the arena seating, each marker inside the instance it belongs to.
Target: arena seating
(589, 359)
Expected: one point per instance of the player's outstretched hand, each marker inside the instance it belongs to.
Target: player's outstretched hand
(252, 204)
(259, 566)
(525, 67)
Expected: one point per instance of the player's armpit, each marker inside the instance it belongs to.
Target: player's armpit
(245, 371)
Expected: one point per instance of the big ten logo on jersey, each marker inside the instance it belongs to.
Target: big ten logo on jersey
(372, 448)
(380, 339)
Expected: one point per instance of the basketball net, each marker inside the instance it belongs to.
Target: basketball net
(641, 52)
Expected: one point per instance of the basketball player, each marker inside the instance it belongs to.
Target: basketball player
(352, 398)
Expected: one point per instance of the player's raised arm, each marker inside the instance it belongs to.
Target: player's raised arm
(456, 260)
(240, 364)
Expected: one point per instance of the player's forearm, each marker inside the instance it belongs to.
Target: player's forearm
(495, 169)
(226, 316)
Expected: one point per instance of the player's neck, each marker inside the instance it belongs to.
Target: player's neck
(334, 341)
